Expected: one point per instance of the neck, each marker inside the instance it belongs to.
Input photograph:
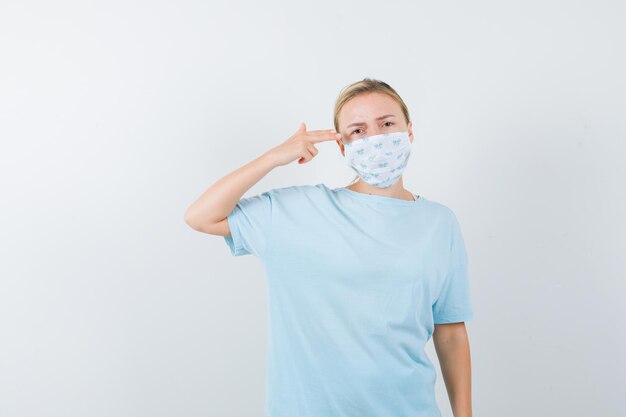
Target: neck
(395, 191)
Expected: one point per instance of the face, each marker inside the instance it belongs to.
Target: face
(368, 115)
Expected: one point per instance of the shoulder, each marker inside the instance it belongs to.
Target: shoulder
(302, 192)
(289, 195)
(443, 213)
(299, 201)
(439, 208)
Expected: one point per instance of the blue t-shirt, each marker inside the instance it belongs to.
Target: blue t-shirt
(355, 285)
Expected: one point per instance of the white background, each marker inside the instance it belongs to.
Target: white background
(116, 115)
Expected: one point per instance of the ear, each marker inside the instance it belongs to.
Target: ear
(343, 153)
(410, 129)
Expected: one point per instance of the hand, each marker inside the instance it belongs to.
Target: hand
(301, 145)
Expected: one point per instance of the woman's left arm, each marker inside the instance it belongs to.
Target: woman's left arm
(452, 347)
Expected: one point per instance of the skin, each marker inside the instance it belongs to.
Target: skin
(453, 351)
(208, 213)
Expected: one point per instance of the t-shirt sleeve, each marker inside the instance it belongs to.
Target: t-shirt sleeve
(250, 224)
(453, 304)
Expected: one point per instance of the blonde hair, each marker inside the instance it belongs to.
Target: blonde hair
(367, 85)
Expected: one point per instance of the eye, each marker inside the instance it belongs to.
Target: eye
(354, 131)
(388, 122)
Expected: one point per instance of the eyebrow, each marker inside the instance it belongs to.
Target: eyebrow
(363, 123)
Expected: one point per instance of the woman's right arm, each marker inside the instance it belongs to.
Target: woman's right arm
(208, 213)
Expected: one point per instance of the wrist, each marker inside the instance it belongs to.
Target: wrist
(268, 160)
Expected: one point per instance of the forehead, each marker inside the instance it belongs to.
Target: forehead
(367, 107)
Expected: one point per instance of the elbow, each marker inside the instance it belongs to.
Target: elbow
(197, 224)
(201, 222)
(190, 220)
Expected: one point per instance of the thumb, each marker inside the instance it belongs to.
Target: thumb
(302, 128)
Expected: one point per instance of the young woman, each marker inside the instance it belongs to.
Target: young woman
(359, 277)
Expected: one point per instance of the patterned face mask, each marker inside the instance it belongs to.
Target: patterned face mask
(379, 160)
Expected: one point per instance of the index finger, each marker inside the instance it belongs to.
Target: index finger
(323, 135)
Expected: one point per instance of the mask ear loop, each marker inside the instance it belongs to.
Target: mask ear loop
(345, 159)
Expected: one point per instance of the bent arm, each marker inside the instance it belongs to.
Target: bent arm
(452, 347)
(208, 213)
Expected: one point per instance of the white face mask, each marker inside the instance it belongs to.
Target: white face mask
(379, 160)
